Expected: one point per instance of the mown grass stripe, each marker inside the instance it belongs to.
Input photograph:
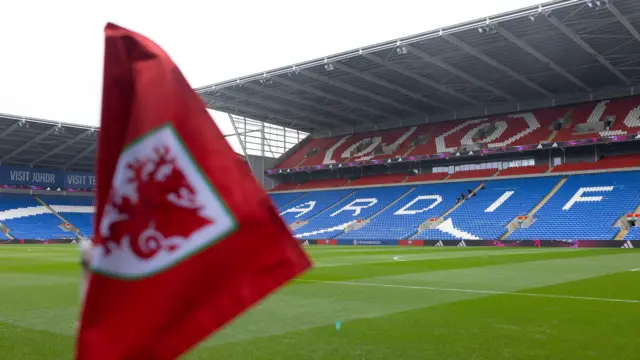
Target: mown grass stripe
(489, 292)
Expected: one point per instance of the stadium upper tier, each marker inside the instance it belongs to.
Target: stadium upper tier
(576, 207)
(587, 120)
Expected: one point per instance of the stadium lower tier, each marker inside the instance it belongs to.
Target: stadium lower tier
(45, 217)
(577, 207)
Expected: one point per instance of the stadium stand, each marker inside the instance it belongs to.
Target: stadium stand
(577, 207)
(76, 210)
(427, 177)
(351, 211)
(524, 170)
(614, 162)
(496, 131)
(379, 179)
(633, 234)
(623, 113)
(472, 174)
(585, 207)
(486, 215)
(307, 151)
(285, 187)
(402, 220)
(364, 146)
(319, 184)
(27, 218)
(423, 141)
(23, 213)
(611, 162)
(311, 204)
(281, 200)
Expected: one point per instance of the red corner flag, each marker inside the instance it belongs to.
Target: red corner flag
(186, 241)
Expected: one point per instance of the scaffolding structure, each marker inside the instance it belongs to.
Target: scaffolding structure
(263, 140)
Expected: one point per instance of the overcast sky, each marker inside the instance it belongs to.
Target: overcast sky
(51, 51)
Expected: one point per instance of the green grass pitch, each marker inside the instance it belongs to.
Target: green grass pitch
(394, 303)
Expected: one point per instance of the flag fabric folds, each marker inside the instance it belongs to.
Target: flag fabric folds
(185, 240)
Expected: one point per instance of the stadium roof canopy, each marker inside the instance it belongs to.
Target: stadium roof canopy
(41, 143)
(559, 52)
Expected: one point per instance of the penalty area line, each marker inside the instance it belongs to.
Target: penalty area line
(488, 292)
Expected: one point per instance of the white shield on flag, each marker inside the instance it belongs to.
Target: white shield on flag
(161, 209)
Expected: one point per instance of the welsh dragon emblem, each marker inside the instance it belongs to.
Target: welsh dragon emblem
(158, 213)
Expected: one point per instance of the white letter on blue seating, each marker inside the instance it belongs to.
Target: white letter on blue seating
(356, 209)
(579, 198)
(404, 211)
(301, 209)
(496, 204)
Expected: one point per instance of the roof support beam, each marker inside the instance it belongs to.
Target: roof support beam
(214, 100)
(243, 133)
(279, 94)
(391, 86)
(623, 20)
(419, 78)
(573, 36)
(316, 117)
(354, 89)
(426, 57)
(321, 93)
(8, 130)
(82, 154)
(62, 146)
(526, 47)
(29, 143)
(496, 64)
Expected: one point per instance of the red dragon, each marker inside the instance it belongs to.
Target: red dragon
(166, 207)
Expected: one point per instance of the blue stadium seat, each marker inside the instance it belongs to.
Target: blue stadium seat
(586, 207)
(27, 218)
(283, 199)
(311, 204)
(633, 234)
(359, 206)
(486, 215)
(77, 210)
(403, 218)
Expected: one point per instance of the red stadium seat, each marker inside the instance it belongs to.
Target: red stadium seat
(472, 174)
(612, 162)
(427, 177)
(379, 179)
(523, 170)
(522, 128)
(285, 187)
(318, 184)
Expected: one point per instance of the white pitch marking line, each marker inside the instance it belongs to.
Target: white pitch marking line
(421, 256)
(397, 258)
(490, 292)
(638, 269)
